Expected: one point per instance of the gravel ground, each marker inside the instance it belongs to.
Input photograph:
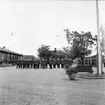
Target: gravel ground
(48, 87)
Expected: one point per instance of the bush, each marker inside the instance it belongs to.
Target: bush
(71, 70)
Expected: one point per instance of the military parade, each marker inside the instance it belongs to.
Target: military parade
(43, 63)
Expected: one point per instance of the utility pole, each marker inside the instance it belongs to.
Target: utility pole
(99, 65)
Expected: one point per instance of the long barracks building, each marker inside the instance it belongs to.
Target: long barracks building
(8, 56)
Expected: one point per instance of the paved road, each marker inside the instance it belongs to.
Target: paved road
(48, 87)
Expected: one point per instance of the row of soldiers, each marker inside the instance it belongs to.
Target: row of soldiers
(43, 63)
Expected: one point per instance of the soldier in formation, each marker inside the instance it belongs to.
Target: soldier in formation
(58, 63)
(54, 62)
(62, 62)
(50, 63)
(44, 63)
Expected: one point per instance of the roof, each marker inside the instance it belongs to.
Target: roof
(8, 51)
(29, 57)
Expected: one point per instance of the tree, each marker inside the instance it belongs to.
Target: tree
(60, 54)
(44, 51)
(67, 52)
(81, 43)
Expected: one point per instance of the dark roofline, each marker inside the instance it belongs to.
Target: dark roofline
(29, 55)
(32, 56)
(9, 51)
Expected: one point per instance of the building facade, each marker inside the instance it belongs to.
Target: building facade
(8, 56)
(92, 60)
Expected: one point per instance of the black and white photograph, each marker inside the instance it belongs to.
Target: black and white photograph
(52, 52)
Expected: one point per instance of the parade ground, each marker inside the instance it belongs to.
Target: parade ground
(48, 87)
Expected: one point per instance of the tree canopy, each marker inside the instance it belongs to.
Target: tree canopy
(81, 43)
(80, 46)
(44, 51)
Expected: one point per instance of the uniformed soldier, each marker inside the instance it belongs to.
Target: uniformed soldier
(31, 63)
(62, 62)
(58, 62)
(50, 63)
(25, 63)
(20, 63)
(66, 60)
(46, 62)
(54, 62)
(43, 63)
(34, 64)
(17, 64)
(70, 61)
(38, 63)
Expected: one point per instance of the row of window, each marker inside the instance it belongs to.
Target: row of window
(91, 61)
(8, 56)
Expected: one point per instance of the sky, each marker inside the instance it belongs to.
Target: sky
(27, 24)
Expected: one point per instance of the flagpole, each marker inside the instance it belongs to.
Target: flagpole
(99, 66)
